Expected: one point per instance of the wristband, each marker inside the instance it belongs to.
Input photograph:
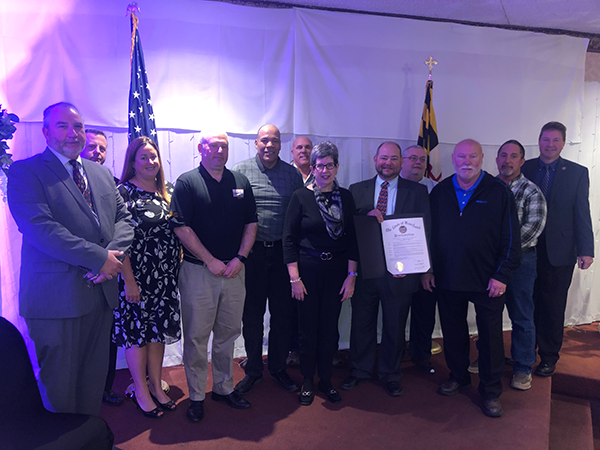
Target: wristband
(296, 281)
(242, 258)
(354, 274)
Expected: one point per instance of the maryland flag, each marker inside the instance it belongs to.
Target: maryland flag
(428, 138)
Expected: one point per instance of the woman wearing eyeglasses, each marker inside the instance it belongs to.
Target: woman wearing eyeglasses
(319, 247)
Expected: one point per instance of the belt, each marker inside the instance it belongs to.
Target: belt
(198, 262)
(524, 251)
(268, 244)
(323, 256)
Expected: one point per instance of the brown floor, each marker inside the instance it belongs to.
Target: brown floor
(367, 418)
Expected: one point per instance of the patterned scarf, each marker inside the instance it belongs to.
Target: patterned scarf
(331, 210)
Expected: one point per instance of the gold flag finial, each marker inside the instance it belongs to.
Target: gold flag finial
(430, 62)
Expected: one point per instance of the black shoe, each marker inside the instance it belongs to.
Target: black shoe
(285, 381)
(393, 388)
(327, 388)
(111, 398)
(156, 413)
(307, 394)
(247, 383)
(169, 406)
(233, 400)
(492, 408)
(195, 412)
(452, 387)
(545, 369)
(352, 382)
(424, 365)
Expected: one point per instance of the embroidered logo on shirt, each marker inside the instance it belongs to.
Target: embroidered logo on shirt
(480, 201)
(238, 193)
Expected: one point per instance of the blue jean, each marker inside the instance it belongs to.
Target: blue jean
(519, 303)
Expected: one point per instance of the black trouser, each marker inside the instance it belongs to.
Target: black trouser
(112, 367)
(319, 312)
(363, 334)
(550, 300)
(267, 278)
(453, 307)
(422, 323)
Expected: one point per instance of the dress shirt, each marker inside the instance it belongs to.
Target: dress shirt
(531, 209)
(392, 191)
(65, 162)
(427, 182)
(463, 196)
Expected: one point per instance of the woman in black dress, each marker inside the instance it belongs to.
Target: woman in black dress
(319, 247)
(147, 317)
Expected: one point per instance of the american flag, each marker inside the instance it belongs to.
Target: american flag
(141, 114)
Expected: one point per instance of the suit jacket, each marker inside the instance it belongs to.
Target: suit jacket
(62, 240)
(568, 229)
(411, 198)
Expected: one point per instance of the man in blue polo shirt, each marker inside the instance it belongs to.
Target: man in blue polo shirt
(475, 246)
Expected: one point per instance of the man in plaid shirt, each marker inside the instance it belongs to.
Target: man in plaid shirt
(531, 209)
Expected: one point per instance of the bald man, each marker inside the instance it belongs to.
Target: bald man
(475, 247)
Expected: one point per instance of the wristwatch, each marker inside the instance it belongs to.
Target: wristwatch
(241, 258)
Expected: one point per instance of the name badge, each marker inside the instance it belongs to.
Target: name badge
(238, 193)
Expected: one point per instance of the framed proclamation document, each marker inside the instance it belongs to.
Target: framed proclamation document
(398, 246)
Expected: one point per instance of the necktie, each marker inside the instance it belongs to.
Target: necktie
(80, 182)
(545, 183)
(383, 197)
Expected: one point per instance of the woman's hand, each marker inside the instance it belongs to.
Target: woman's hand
(132, 292)
(298, 290)
(347, 290)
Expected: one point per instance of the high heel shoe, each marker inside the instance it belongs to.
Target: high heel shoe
(156, 413)
(169, 406)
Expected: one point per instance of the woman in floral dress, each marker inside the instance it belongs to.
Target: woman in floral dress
(147, 317)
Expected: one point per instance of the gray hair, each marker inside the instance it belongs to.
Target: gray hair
(323, 150)
(205, 135)
(405, 151)
(49, 109)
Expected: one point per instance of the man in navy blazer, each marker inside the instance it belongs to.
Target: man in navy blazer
(394, 293)
(69, 261)
(567, 239)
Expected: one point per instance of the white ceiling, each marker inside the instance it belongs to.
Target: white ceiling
(579, 16)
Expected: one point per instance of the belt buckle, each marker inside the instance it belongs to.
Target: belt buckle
(326, 256)
(269, 244)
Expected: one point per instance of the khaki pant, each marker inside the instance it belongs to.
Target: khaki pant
(209, 304)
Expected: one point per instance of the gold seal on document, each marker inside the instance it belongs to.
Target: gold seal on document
(399, 266)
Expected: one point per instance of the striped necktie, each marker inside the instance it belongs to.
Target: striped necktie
(80, 182)
(545, 182)
(383, 198)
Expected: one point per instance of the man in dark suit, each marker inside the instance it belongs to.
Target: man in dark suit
(567, 239)
(384, 195)
(75, 228)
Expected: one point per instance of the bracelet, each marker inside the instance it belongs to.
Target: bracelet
(295, 281)
(354, 274)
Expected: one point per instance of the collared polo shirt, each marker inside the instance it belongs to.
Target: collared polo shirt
(463, 196)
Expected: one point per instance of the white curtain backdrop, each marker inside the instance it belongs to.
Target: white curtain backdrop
(353, 79)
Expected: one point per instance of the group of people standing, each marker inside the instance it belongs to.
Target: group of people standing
(216, 248)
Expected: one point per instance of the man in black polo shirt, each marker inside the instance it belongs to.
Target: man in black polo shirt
(214, 214)
(273, 182)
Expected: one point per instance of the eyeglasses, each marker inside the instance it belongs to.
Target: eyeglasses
(322, 167)
(414, 159)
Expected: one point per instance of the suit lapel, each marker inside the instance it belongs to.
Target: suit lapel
(401, 194)
(54, 164)
(370, 194)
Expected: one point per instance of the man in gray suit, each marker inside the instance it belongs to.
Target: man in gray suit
(567, 239)
(75, 228)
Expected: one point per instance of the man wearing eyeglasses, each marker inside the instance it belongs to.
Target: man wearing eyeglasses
(384, 195)
(422, 312)
(567, 239)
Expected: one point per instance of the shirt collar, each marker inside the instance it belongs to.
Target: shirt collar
(262, 167)
(392, 184)
(552, 165)
(472, 188)
(62, 158)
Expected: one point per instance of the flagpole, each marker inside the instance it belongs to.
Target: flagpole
(428, 138)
